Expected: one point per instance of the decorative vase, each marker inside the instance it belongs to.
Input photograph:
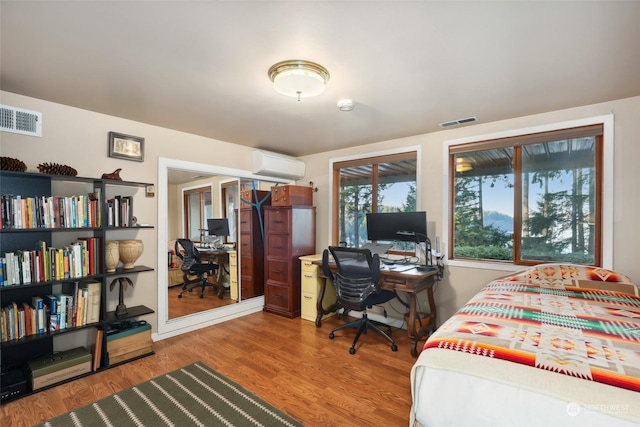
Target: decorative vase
(112, 255)
(130, 251)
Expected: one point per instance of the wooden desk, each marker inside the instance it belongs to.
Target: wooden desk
(409, 282)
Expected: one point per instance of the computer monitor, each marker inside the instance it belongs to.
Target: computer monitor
(394, 226)
(218, 227)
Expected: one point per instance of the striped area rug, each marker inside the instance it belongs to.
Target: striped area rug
(195, 395)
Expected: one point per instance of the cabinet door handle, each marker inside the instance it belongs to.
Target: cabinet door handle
(276, 271)
(277, 296)
(277, 221)
(308, 276)
(278, 247)
(308, 297)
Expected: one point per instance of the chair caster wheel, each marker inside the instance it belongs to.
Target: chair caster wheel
(352, 350)
(331, 335)
(221, 293)
(201, 296)
(394, 348)
(180, 296)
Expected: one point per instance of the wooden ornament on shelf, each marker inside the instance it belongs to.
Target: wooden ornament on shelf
(57, 169)
(113, 175)
(124, 282)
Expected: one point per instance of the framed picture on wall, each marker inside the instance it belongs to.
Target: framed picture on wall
(126, 147)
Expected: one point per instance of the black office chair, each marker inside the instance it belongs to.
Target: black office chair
(357, 287)
(191, 264)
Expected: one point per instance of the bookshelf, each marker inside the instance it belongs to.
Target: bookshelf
(60, 245)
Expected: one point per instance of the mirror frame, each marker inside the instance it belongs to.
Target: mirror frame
(172, 327)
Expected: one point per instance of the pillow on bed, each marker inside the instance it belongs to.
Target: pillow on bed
(579, 276)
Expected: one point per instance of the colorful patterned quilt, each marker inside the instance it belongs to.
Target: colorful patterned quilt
(556, 324)
(576, 321)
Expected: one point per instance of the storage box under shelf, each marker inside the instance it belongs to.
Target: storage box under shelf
(129, 344)
(47, 370)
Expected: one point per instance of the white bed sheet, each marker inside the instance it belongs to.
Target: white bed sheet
(443, 398)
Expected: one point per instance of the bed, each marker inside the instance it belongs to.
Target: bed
(554, 345)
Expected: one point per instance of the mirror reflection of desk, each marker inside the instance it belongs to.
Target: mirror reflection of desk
(218, 256)
(407, 282)
(209, 255)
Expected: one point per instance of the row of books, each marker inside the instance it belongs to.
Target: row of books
(120, 211)
(81, 258)
(78, 211)
(51, 313)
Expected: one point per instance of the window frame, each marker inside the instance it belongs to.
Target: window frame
(361, 159)
(606, 199)
(186, 192)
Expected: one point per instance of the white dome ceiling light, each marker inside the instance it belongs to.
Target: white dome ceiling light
(298, 78)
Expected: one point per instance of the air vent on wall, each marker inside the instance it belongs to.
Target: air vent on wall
(458, 122)
(18, 120)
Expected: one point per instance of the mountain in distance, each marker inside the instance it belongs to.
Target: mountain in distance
(499, 220)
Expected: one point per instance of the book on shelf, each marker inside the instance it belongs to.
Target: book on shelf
(38, 304)
(120, 211)
(26, 308)
(51, 305)
(93, 301)
(77, 211)
(97, 349)
(3, 261)
(79, 259)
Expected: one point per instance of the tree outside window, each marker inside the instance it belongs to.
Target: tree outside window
(390, 181)
(529, 199)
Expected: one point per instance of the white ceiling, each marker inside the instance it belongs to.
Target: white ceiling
(201, 66)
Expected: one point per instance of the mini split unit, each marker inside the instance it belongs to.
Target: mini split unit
(277, 165)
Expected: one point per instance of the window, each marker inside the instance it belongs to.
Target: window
(530, 198)
(231, 203)
(375, 184)
(197, 208)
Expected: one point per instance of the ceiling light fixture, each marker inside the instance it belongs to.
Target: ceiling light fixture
(463, 165)
(346, 104)
(298, 78)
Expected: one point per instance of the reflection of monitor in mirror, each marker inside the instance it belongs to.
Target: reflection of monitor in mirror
(384, 226)
(218, 227)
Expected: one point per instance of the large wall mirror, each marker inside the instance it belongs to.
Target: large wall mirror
(190, 195)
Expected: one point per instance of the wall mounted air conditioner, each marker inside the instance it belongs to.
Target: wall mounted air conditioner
(277, 165)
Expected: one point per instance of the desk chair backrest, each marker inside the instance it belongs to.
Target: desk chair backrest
(357, 277)
(187, 252)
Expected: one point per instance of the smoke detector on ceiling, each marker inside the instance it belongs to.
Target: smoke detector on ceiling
(458, 122)
(346, 104)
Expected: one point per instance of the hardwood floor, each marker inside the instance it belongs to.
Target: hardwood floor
(192, 303)
(288, 362)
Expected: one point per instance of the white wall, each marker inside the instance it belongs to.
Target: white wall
(78, 138)
(461, 283)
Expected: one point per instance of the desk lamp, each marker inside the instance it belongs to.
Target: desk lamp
(428, 261)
